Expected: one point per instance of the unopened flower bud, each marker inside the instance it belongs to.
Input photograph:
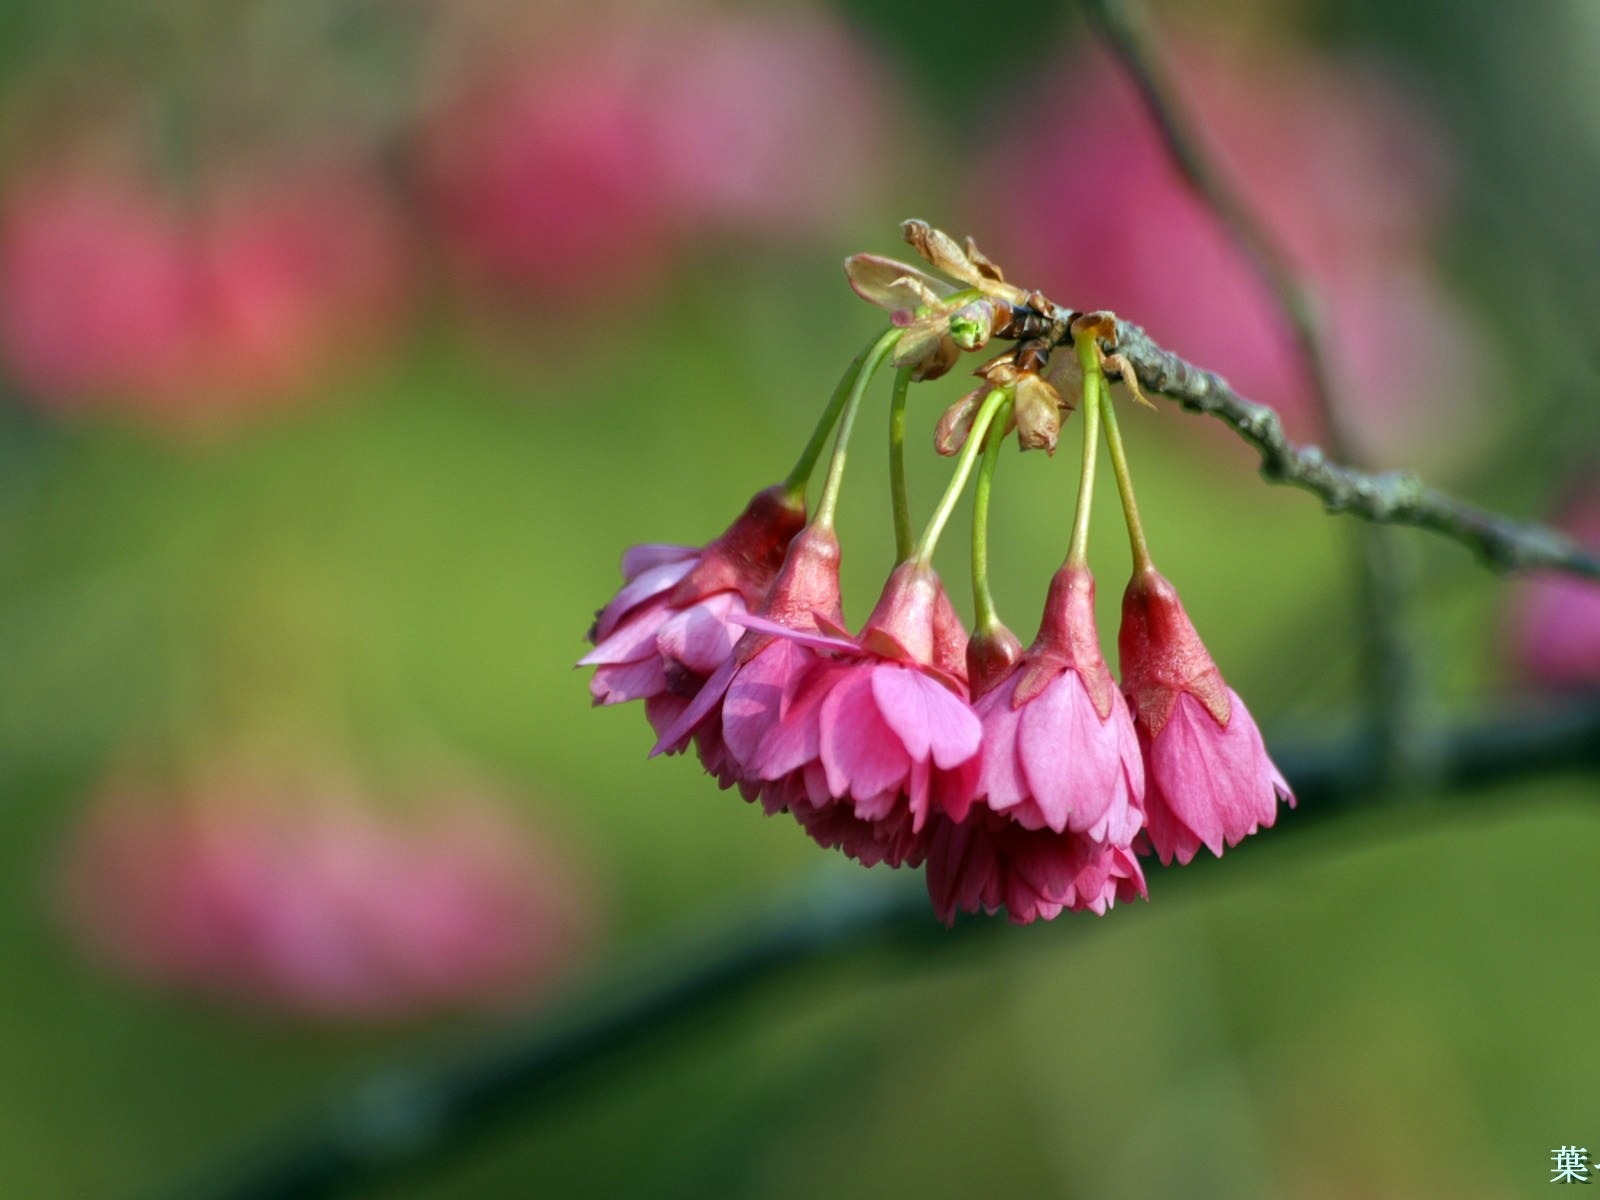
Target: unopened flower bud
(1037, 413)
(991, 653)
(972, 325)
(955, 426)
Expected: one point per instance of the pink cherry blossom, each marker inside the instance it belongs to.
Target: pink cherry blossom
(1346, 171)
(771, 120)
(754, 686)
(879, 727)
(671, 626)
(1060, 751)
(309, 900)
(1557, 616)
(97, 293)
(1208, 778)
(114, 295)
(541, 178)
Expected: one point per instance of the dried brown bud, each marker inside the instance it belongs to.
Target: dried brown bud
(1065, 373)
(955, 426)
(986, 265)
(1037, 412)
(945, 355)
(896, 286)
(1000, 371)
(941, 251)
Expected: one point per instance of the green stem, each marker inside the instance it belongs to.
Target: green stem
(1093, 382)
(795, 484)
(872, 359)
(897, 466)
(982, 597)
(969, 454)
(1119, 465)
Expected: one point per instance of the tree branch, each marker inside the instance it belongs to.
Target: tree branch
(1389, 497)
(1392, 683)
(416, 1114)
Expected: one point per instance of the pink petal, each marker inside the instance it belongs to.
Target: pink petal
(1210, 776)
(860, 752)
(628, 681)
(1069, 756)
(632, 640)
(636, 560)
(700, 636)
(710, 694)
(760, 695)
(926, 716)
(635, 592)
(1001, 784)
(805, 637)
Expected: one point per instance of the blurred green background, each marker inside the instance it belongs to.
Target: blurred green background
(396, 568)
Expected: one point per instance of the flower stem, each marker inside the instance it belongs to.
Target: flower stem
(982, 597)
(795, 484)
(871, 359)
(1093, 381)
(897, 466)
(969, 454)
(1119, 465)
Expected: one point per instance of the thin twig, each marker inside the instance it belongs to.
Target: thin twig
(1389, 497)
(1391, 674)
(415, 1114)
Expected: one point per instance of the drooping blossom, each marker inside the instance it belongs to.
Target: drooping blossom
(97, 292)
(541, 177)
(1208, 778)
(114, 295)
(1345, 170)
(1556, 622)
(671, 626)
(767, 120)
(575, 171)
(878, 735)
(307, 899)
(755, 684)
(1057, 806)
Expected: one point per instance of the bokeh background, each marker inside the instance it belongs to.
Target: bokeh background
(345, 344)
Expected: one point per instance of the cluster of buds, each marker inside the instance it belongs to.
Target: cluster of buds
(1024, 779)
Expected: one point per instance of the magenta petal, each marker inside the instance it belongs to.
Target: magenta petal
(927, 717)
(700, 636)
(1209, 775)
(796, 741)
(760, 696)
(636, 560)
(636, 591)
(862, 755)
(1069, 756)
(628, 681)
(1000, 783)
(961, 868)
(630, 641)
(805, 637)
(705, 700)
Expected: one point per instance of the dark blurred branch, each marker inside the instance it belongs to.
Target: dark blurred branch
(415, 1114)
(1389, 497)
(1391, 675)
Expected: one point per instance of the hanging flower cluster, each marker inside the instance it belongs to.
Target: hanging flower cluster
(1026, 779)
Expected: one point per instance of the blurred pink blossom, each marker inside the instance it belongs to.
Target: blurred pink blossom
(114, 294)
(320, 904)
(1556, 619)
(582, 165)
(1344, 169)
(769, 120)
